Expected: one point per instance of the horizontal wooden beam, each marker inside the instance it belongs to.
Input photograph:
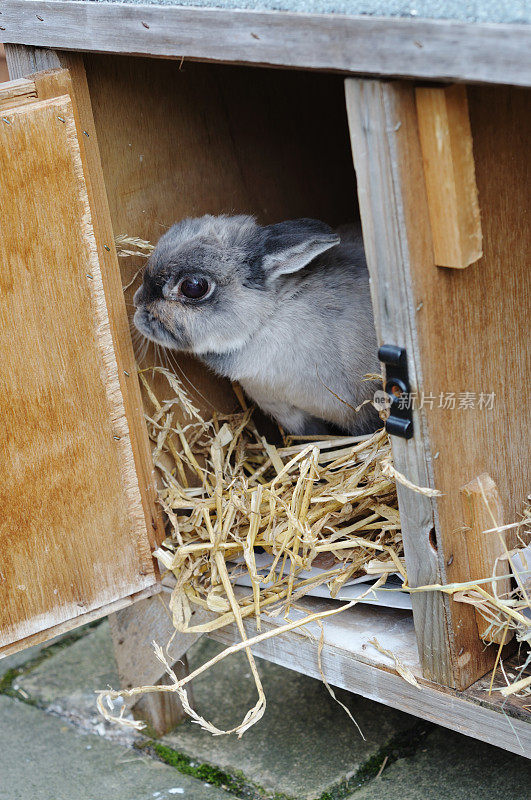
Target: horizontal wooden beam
(349, 661)
(418, 48)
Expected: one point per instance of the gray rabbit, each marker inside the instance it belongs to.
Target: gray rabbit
(284, 309)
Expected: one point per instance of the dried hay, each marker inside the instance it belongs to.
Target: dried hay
(330, 502)
(326, 500)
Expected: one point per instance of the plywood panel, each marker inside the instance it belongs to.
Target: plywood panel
(482, 511)
(474, 324)
(73, 534)
(72, 81)
(473, 329)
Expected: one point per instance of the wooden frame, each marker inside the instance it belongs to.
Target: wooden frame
(394, 211)
(431, 49)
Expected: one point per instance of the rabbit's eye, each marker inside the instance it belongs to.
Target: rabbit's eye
(194, 288)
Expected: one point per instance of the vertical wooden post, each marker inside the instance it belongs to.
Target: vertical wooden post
(134, 629)
(374, 124)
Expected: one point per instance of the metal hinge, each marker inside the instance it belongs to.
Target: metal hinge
(400, 420)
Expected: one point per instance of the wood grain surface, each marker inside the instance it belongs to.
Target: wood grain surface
(446, 144)
(72, 81)
(73, 531)
(363, 45)
(482, 511)
(473, 328)
(382, 205)
(17, 93)
(4, 74)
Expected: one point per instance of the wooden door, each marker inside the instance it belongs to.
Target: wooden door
(77, 518)
(466, 333)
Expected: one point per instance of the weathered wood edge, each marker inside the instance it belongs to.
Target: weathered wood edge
(420, 48)
(77, 622)
(387, 250)
(347, 671)
(162, 712)
(23, 61)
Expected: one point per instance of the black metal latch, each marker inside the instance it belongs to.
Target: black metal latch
(400, 420)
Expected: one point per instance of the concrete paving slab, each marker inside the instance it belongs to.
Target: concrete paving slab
(21, 658)
(66, 682)
(305, 743)
(449, 766)
(43, 758)
(75, 671)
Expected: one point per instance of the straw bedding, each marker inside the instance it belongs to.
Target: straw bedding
(228, 494)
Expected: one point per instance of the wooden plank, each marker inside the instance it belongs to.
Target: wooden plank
(433, 49)
(23, 61)
(74, 83)
(372, 128)
(487, 690)
(76, 622)
(136, 629)
(473, 333)
(70, 482)
(446, 144)
(482, 511)
(156, 710)
(350, 662)
(16, 93)
(4, 75)
(486, 310)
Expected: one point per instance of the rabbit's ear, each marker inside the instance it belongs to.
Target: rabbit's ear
(290, 246)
